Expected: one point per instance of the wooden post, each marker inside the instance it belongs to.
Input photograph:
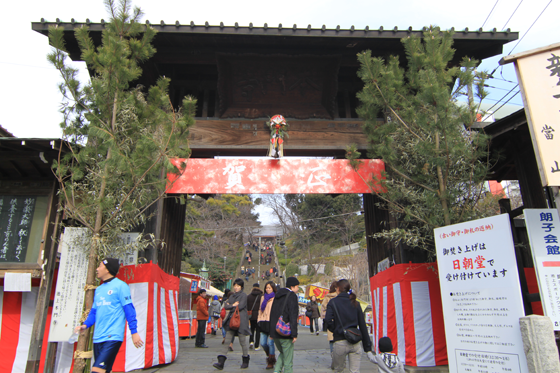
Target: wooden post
(505, 207)
(43, 299)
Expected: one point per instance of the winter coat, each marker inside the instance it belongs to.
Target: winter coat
(201, 308)
(263, 318)
(314, 308)
(254, 301)
(215, 306)
(388, 363)
(240, 297)
(290, 312)
(350, 316)
(326, 301)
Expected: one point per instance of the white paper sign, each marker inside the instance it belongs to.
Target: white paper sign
(14, 281)
(481, 296)
(69, 295)
(543, 227)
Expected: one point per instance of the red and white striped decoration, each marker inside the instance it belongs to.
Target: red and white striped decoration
(16, 322)
(407, 308)
(155, 296)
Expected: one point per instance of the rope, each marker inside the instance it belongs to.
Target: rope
(84, 316)
(90, 287)
(83, 354)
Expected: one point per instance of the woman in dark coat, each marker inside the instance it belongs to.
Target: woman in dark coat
(237, 299)
(313, 307)
(348, 314)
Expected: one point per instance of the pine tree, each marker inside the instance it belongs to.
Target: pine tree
(435, 163)
(122, 136)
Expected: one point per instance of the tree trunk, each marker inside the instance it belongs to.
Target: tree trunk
(442, 189)
(79, 363)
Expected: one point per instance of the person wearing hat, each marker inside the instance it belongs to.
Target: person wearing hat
(386, 361)
(289, 313)
(112, 306)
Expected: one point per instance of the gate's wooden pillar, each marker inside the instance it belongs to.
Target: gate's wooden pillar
(173, 215)
(375, 220)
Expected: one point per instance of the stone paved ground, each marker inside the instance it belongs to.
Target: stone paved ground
(311, 355)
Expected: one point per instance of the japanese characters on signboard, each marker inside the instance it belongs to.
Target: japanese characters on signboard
(481, 296)
(69, 293)
(194, 286)
(539, 76)
(16, 216)
(543, 227)
(317, 291)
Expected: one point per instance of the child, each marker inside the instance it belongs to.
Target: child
(386, 361)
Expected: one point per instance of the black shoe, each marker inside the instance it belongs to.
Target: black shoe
(221, 361)
(201, 346)
(245, 364)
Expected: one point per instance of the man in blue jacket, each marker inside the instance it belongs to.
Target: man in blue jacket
(112, 304)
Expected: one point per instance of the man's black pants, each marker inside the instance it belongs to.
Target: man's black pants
(200, 333)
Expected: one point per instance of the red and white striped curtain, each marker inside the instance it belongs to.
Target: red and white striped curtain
(154, 295)
(17, 312)
(406, 301)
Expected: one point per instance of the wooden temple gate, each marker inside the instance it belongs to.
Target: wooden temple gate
(241, 76)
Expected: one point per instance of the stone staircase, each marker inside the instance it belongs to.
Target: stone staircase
(263, 269)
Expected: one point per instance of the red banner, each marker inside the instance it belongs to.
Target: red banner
(271, 176)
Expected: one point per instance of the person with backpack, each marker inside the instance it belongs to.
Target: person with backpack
(346, 321)
(214, 312)
(285, 306)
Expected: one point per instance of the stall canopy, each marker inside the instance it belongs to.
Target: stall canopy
(213, 291)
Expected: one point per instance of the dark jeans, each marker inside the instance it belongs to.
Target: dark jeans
(200, 333)
(313, 321)
(255, 328)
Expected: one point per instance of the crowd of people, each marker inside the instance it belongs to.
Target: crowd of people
(268, 319)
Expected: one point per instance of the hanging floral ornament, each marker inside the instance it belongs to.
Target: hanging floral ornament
(278, 130)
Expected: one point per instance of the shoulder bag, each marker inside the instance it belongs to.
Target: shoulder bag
(283, 328)
(223, 313)
(250, 312)
(352, 335)
(235, 320)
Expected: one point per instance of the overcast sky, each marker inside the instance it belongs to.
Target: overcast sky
(29, 98)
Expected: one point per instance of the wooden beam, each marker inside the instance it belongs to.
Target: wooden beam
(254, 134)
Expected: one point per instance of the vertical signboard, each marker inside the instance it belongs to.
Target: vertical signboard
(543, 227)
(72, 274)
(538, 73)
(69, 293)
(16, 216)
(481, 296)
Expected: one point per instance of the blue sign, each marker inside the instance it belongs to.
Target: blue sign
(194, 286)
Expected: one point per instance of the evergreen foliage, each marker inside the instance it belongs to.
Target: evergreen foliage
(214, 229)
(435, 164)
(122, 136)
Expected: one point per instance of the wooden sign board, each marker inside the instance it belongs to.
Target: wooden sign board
(275, 176)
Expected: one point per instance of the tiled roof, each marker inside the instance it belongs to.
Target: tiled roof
(286, 30)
